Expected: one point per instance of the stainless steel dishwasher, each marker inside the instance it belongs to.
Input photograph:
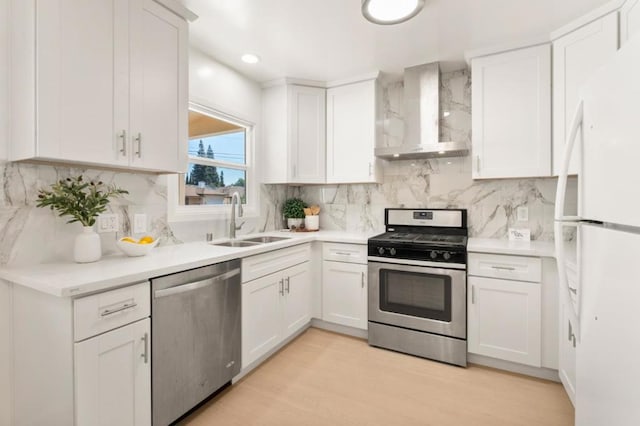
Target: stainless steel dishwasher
(195, 329)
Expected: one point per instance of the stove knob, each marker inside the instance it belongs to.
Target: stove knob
(433, 254)
(380, 250)
(392, 251)
(447, 255)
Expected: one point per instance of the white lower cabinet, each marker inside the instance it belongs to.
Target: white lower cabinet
(344, 284)
(274, 306)
(504, 320)
(113, 377)
(567, 359)
(344, 294)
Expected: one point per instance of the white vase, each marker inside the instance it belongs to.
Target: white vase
(294, 222)
(312, 223)
(87, 246)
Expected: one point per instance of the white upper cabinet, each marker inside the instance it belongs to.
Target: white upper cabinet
(511, 120)
(293, 148)
(99, 82)
(352, 113)
(629, 20)
(576, 55)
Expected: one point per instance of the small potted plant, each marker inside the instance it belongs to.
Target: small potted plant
(293, 211)
(83, 201)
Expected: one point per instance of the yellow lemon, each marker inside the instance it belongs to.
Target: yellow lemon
(145, 240)
(128, 240)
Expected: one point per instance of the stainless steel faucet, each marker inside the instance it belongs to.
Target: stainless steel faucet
(232, 223)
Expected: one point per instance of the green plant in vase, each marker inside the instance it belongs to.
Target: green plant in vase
(83, 201)
(293, 211)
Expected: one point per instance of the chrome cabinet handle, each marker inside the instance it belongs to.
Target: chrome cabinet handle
(362, 280)
(473, 294)
(287, 280)
(370, 169)
(478, 164)
(108, 312)
(138, 139)
(145, 354)
(123, 136)
(504, 268)
(343, 253)
(572, 336)
(281, 283)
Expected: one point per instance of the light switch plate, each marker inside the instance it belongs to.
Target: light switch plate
(139, 223)
(522, 214)
(107, 223)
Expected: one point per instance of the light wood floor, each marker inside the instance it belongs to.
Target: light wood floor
(323, 378)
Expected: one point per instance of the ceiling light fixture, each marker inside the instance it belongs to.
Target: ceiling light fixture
(389, 12)
(250, 58)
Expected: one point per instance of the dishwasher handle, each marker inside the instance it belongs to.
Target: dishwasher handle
(195, 285)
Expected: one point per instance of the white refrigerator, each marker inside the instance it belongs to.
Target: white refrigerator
(599, 275)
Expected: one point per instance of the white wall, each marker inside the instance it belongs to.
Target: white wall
(220, 87)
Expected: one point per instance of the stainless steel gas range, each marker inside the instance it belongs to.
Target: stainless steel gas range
(418, 284)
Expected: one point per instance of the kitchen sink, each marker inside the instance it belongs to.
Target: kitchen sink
(237, 243)
(264, 240)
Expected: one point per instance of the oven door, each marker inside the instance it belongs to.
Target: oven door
(420, 298)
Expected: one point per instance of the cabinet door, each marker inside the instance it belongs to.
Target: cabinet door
(297, 306)
(575, 57)
(567, 359)
(504, 320)
(261, 316)
(629, 20)
(113, 377)
(511, 100)
(351, 133)
(344, 294)
(307, 134)
(82, 92)
(159, 101)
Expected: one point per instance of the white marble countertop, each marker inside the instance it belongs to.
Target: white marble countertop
(518, 248)
(70, 279)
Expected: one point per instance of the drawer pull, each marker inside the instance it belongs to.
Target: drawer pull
(504, 268)
(281, 283)
(573, 290)
(287, 280)
(343, 253)
(362, 281)
(108, 312)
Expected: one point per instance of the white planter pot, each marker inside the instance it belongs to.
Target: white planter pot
(312, 223)
(87, 246)
(295, 222)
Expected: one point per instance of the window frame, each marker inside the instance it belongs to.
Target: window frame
(183, 213)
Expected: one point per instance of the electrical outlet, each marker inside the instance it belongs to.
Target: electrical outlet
(107, 223)
(139, 223)
(523, 214)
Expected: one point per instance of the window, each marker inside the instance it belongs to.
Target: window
(219, 164)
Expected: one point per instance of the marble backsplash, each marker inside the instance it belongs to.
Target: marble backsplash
(30, 235)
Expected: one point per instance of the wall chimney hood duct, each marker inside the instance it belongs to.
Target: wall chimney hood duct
(422, 118)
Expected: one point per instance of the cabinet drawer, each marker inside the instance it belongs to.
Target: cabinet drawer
(264, 264)
(518, 268)
(350, 253)
(102, 312)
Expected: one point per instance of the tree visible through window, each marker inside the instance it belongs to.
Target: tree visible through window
(217, 161)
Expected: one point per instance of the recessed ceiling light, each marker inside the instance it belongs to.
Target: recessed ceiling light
(389, 12)
(250, 58)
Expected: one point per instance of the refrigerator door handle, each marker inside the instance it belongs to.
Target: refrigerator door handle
(561, 190)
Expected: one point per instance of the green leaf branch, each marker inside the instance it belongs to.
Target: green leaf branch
(80, 199)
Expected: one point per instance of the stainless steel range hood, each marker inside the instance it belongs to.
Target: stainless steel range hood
(422, 118)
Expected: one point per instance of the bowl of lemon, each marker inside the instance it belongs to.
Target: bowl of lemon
(137, 247)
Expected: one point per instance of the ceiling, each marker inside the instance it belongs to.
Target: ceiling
(330, 40)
